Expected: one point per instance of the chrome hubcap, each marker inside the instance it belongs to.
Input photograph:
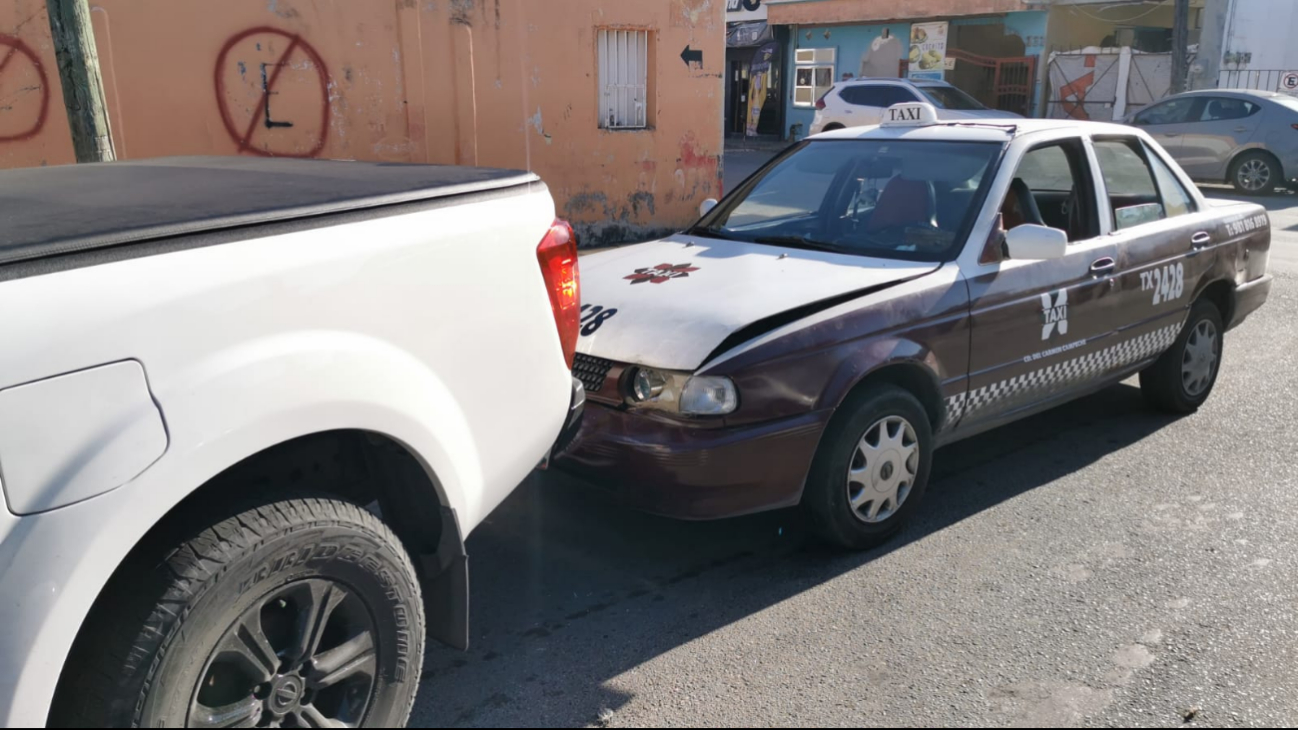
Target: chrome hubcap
(883, 469)
(1254, 175)
(1199, 362)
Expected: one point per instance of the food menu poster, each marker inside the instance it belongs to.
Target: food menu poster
(928, 50)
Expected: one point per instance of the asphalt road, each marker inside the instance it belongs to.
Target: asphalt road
(1097, 565)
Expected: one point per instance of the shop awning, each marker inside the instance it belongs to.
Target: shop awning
(823, 12)
(745, 35)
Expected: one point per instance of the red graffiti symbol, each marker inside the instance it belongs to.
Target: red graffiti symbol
(1079, 88)
(11, 50)
(268, 74)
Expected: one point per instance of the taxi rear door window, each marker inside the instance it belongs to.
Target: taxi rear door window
(1141, 188)
(1133, 194)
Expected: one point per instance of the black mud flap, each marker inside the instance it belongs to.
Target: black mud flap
(571, 426)
(446, 587)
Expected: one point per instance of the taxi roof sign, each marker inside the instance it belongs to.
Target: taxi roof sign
(909, 114)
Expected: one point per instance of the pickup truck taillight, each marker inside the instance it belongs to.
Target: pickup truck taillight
(558, 256)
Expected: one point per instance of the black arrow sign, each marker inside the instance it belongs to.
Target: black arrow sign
(692, 57)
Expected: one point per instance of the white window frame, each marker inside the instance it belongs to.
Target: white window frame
(816, 60)
(623, 78)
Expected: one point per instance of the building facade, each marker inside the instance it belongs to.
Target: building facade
(615, 105)
(990, 48)
(755, 71)
(998, 51)
(1108, 60)
(1257, 46)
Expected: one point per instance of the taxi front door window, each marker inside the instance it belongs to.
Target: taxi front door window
(1048, 190)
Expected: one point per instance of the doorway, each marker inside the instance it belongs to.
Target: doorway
(737, 79)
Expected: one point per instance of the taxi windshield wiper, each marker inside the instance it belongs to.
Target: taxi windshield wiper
(788, 241)
(713, 232)
(800, 242)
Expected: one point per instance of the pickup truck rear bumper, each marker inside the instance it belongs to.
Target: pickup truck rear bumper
(571, 425)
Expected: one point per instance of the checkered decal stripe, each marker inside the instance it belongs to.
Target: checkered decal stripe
(1028, 387)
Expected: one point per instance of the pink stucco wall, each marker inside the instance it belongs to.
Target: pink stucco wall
(507, 83)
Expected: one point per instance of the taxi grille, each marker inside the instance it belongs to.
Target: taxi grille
(591, 371)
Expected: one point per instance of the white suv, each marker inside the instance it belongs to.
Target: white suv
(861, 102)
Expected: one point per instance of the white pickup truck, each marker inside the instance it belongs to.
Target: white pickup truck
(249, 411)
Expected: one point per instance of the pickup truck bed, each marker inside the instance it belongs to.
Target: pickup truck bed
(88, 214)
(322, 375)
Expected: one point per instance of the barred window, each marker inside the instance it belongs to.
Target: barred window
(623, 79)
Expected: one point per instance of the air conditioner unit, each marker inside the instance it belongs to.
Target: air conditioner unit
(815, 56)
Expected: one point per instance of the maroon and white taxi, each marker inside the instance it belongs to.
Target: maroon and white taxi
(874, 293)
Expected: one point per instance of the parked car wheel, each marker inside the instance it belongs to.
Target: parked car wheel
(833, 127)
(1183, 378)
(872, 468)
(1256, 173)
(296, 613)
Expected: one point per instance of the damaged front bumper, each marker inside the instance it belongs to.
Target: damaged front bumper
(693, 473)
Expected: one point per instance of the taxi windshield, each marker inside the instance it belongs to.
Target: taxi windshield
(907, 200)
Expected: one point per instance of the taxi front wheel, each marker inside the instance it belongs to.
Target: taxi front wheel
(870, 473)
(1182, 379)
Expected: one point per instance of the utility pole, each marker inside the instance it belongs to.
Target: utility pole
(83, 87)
(1212, 45)
(1180, 45)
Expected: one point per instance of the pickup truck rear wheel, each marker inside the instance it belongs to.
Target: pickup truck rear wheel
(1182, 379)
(295, 613)
(872, 468)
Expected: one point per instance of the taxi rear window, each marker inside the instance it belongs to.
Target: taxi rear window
(885, 198)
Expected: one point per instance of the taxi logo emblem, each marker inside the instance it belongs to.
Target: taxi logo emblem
(661, 273)
(1054, 313)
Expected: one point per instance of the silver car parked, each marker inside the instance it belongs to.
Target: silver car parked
(1246, 138)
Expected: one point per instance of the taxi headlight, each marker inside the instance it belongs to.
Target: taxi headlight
(647, 384)
(709, 396)
(681, 393)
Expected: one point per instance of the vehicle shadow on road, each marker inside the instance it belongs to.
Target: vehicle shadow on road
(572, 592)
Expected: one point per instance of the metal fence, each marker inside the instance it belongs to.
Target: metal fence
(1248, 78)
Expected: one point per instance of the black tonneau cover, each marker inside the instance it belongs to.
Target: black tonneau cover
(52, 211)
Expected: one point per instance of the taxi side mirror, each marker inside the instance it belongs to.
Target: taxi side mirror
(706, 206)
(1031, 242)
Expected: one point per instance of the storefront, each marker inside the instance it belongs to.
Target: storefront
(755, 70)
(996, 58)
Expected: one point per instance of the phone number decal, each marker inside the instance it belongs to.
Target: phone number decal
(1248, 225)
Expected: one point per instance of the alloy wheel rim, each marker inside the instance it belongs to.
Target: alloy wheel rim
(883, 469)
(305, 655)
(1254, 175)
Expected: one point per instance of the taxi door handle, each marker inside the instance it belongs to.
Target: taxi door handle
(1240, 130)
(1103, 267)
(1200, 239)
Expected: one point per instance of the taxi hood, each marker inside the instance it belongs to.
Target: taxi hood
(678, 299)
